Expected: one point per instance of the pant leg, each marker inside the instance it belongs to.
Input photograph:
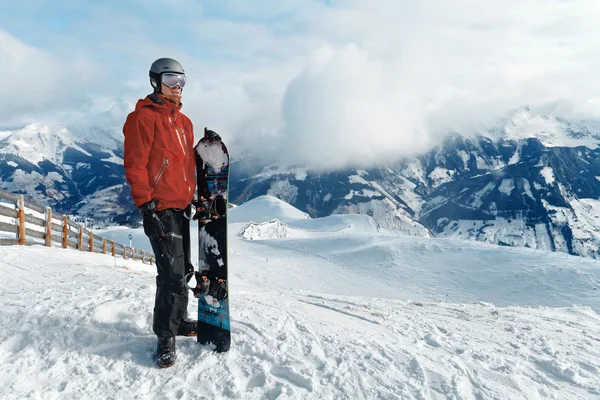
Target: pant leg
(187, 254)
(171, 299)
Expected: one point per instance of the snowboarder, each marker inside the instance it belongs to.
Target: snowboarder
(160, 167)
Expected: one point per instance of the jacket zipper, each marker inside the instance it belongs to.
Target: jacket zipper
(160, 172)
(184, 153)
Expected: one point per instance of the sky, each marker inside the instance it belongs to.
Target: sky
(311, 81)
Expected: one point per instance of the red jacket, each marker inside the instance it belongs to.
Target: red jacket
(159, 155)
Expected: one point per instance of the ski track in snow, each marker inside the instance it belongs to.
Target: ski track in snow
(78, 326)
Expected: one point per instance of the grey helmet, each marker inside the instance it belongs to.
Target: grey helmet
(161, 66)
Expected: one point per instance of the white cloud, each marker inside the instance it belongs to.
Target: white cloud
(353, 81)
(415, 71)
(348, 106)
(34, 80)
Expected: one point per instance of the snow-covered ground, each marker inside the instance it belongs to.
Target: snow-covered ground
(337, 309)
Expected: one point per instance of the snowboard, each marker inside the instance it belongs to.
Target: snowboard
(212, 167)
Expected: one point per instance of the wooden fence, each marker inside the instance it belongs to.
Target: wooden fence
(56, 229)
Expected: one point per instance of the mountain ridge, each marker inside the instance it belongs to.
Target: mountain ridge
(520, 186)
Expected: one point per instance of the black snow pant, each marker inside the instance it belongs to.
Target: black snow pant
(173, 262)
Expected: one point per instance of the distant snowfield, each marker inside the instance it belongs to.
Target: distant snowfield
(343, 310)
(262, 208)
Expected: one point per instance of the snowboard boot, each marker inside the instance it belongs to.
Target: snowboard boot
(165, 352)
(188, 328)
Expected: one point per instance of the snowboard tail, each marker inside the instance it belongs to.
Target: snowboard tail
(212, 164)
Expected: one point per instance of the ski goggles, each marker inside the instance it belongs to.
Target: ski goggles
(171, 80)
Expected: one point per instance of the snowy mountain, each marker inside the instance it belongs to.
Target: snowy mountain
(73, 171)
(343, 309)
(374, 192)
(530, 180)
(534, 182)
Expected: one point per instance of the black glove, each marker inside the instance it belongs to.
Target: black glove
(153, 226)
(211, 135)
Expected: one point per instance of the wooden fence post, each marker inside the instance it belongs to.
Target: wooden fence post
(48, 227)
(21, 214)
(65, 232)
(68, 230)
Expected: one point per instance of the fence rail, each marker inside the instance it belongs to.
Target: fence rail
(56, 228)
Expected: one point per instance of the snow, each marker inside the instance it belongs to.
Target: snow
(477, 202)
(406, 191)
(12, 164)
(368, 193)
(414, 170)
(550, 131)
(55, 176)
(387, 212)
(114, 159)
(338, 313)
(273, 229)
(265, 208)
(526, 125)
(548, 174)
(5, 134)
(310, 228)
(357, 179)
(27, 182)
(212, 154)
(506, 186)
(301, 174)
(465, 158)
(102, 203)
(440, 176)
(38, 142)
(527, 189)
(8, 220)
(481, 163)
(283, 190)
(516, 157)
(269, 171)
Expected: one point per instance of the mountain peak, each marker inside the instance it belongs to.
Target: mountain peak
(523, 123)
(264, 208)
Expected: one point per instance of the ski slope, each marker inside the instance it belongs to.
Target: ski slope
(337, 309)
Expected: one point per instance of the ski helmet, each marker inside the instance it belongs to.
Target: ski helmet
(161, 66)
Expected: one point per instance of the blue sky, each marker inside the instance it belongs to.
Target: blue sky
(305, 72)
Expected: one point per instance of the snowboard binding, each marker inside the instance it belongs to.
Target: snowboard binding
(206, 286)
(210, 209)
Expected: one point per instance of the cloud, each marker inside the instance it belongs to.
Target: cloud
(36, 82)
(413, 72)
(350, 107)
(331, 83)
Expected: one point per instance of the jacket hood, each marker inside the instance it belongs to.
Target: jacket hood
(158, 102)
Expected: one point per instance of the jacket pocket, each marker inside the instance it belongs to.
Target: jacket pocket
(161, 171)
